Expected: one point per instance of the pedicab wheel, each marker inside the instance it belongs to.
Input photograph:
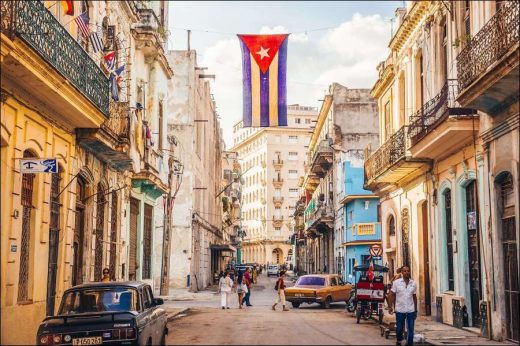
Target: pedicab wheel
(380, 317)
(358, 315)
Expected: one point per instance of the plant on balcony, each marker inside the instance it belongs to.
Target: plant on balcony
(464, 38)
(225, 203)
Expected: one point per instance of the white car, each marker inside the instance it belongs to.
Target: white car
(272, 270)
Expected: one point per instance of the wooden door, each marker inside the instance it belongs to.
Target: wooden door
(473, 252)
(132, 251)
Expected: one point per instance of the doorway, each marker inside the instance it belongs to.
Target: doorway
(79, 234)
(425, 258)
(132, 251)
(54, 231)
(475, 285)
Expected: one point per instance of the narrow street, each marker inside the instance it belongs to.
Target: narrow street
(259, 325)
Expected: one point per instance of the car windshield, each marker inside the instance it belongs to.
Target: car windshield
(311, 281)
(99, 300)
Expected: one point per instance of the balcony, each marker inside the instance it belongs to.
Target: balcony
(277, 182)
(441, 126)
(488, 66)
(277, 220)
(111, 142)
(363, 233)
(263, 182)
(278, 201)
(318, 214)
(321, 159)
(390, 164)
(311, 181)
(264, 165)
(148, 179)
(40, 58)
(278, 164)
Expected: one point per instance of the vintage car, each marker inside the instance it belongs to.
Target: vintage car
(318, 288)
(106, 313)
(273, 269)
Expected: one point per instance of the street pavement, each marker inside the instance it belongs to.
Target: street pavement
(206, 323)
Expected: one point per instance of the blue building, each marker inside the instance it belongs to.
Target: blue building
(362, 226)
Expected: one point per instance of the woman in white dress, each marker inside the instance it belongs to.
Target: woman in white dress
(225, 284)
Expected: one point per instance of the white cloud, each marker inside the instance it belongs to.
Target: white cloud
(347, 54)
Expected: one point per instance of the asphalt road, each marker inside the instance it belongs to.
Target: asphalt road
(206, 323)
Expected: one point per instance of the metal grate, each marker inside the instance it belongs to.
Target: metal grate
(27, 195)
(405, 237)
(54, 236)
(100, 221)
(113, 236)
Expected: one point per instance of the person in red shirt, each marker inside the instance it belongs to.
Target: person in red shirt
(248, 277)
(280, 285)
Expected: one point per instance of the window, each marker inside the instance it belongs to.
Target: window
(100, 223)
(160, 139)
(293, 139)
(467, 16)
(333, 281)
(391, 225)
(293, 174)
(365, 259)
(298, 120)
(350, 215)
(27, 200)
(293, 192)
(307, 121)
(449, 238)
(388, 120)
(147, 242)
(367, 204)
(293, 155)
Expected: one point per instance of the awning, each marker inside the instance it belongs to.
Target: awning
(223, 247)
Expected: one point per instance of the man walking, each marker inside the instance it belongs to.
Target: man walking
(403, 296)
(280, 287)
(248, 277)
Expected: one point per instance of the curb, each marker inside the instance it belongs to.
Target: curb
(172, 316)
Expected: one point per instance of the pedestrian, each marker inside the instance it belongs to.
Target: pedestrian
(325, 269)
(280, 288)
(248, 278)
(241, 289)
(255, 275)
(225, 284)
(403, 296)
(106, 275)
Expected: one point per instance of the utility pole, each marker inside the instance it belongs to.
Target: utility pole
(175, 168)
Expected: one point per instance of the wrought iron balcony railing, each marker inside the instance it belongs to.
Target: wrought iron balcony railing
(393, 150)
(118, 124)
(435, 111)
(490, 44)
(36, 26)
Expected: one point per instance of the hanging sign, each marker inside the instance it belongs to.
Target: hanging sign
(376, 250)
(36, 165)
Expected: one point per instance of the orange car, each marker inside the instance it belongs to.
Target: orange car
(318, 288)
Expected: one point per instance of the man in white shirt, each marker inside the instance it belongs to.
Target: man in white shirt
(403, 294)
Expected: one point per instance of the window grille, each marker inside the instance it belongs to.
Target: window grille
(100, 221)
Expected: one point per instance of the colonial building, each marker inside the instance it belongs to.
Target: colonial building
(57, 103)
(448, 159)
(197, 219)
(347, 122)
(272, 160)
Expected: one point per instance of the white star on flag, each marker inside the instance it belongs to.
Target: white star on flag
(263, 53)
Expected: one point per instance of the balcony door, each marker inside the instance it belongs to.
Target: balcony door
(132, 251)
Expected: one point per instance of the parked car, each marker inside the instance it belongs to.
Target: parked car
(273, 269)
(318, 288)
(106, 313)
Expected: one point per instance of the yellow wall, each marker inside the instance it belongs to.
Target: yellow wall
(23, 128)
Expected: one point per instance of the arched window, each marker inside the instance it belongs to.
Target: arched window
(391, 225)
(100, 222)
(449, 238)
(27, 205)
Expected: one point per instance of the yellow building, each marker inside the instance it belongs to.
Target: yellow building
(46, 94)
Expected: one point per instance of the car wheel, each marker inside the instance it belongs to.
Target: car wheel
(327, 302)
(163, 338)
(295, 305)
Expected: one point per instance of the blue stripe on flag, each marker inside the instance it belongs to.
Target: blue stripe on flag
(246, 68)
(264, 98)
(282, 84)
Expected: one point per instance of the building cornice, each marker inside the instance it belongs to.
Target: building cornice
(268, 130)
(409, 24)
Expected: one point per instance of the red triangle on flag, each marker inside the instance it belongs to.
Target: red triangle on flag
(263, 48)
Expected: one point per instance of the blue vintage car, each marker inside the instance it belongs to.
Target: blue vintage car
(106, 313)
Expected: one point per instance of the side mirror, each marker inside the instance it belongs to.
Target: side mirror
(158, 301)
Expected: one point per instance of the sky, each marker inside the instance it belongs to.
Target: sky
(330, 41)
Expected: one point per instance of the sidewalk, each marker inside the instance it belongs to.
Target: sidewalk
(183, 294)
(174, 312)
(436, 333)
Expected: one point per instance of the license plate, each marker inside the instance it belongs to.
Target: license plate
(95, 340)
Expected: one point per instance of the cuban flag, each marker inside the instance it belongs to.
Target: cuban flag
(110, 60)
(264, 65)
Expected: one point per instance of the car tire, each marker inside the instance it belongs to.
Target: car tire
(163, 338)
(327, 302)
(295, 305)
